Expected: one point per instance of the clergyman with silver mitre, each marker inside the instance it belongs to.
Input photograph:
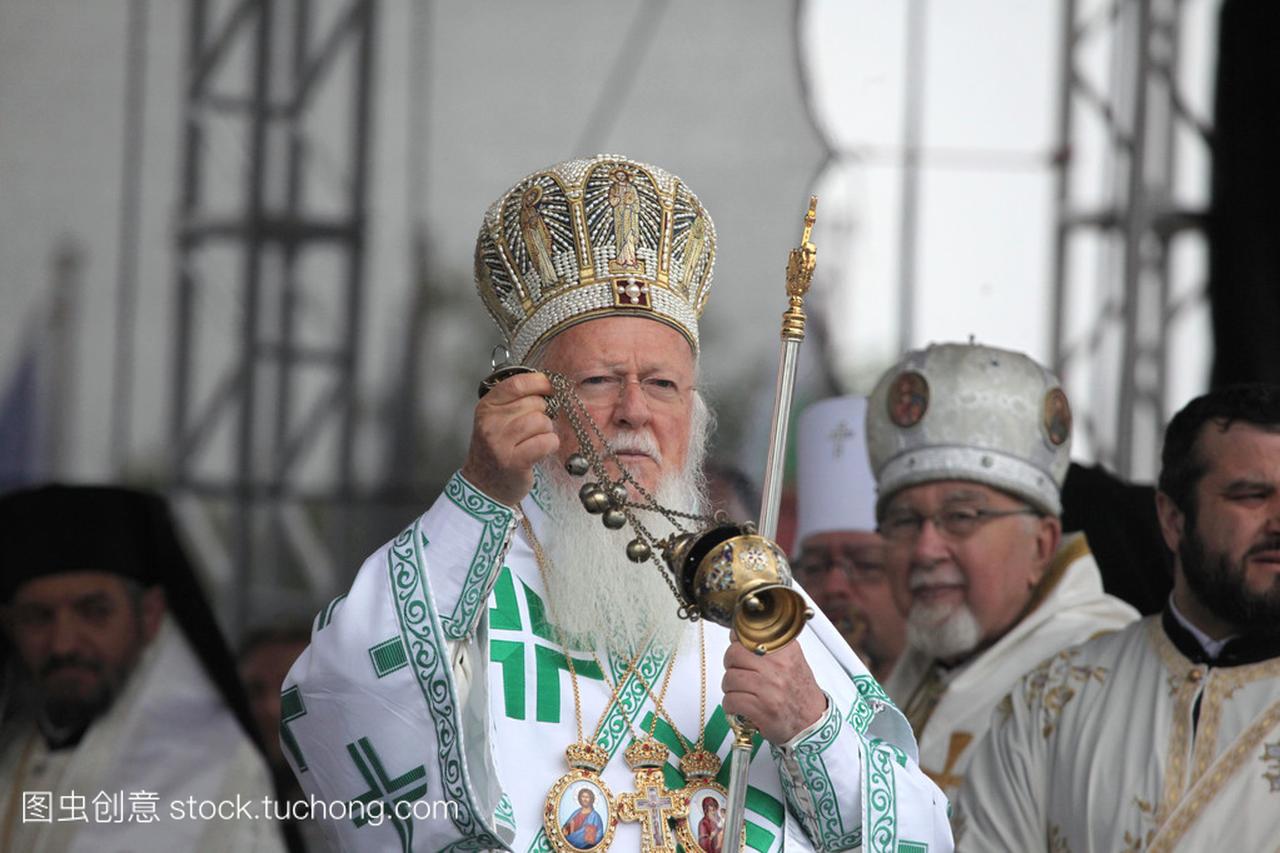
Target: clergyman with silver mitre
(508, 652)
(970, 445)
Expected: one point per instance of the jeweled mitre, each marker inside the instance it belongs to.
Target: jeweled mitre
(591, 238)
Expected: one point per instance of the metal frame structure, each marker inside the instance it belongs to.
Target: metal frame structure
(244, 431)
(1144, 113)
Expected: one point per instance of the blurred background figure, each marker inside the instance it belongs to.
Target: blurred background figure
(128, 700)
(840, 559)
(265, 657)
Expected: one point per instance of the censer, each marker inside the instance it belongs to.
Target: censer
(733, 575)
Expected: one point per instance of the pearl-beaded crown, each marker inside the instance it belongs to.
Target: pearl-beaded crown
(592, 238)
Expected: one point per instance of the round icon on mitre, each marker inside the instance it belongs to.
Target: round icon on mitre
(1057, 417)
(908, 399)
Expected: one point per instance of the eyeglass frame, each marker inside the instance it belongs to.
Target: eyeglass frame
(590, 387)
(846, 565)
(979, 516)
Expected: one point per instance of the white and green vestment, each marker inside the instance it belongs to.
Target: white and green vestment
(437, 681)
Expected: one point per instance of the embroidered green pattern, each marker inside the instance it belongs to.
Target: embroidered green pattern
(291, 708)
(325, 616)
(381, 787)
(550, 663)
(423, 639)
(505, 614)
(510, 656)
(538, 622)
(868, 702)
(388, 656)
(539, 491)
(828, 831)
(879, 794)
(505, 815)
(499, 524)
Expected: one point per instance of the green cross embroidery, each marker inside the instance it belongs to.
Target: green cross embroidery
(538, 622)
(550, 663)
(505, 614)
(509, 655)
(291, 708)
(380, 785)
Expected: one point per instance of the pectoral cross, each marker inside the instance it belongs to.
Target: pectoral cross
(654, 807)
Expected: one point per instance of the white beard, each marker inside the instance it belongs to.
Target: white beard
(943, 633)
(594, 593)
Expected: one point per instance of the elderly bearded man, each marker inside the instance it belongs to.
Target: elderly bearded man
(502, 652)
(1164, 736)
(970, 445)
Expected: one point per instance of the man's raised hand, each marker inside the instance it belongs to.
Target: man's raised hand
(511, 433)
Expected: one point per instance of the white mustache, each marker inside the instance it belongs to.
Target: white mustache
(634, 441)
(936, 576)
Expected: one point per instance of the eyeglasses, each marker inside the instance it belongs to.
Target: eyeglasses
(809, 569)
(609, 387)
(955, 523)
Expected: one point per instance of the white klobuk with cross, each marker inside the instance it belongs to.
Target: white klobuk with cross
(838, 436)
(440, 659)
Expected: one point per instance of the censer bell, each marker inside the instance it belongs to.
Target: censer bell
(741, 580)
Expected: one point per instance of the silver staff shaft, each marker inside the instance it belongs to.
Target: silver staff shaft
(771, 491)
(735, 802)
(800, 266)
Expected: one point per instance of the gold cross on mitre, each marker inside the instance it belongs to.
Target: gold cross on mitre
(652, 805)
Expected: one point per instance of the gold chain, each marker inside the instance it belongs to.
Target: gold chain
(702, 710)
(657, 701)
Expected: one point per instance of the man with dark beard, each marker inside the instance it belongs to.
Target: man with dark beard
(503, 653)
(1165, 736)
(128, 702)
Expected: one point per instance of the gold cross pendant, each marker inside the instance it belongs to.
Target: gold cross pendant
(652, 805)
